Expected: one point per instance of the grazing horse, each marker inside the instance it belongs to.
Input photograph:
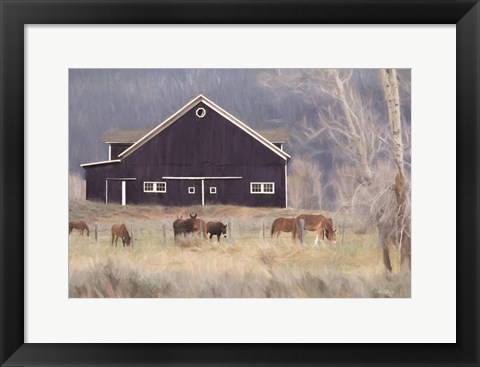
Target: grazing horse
(120, 231)
(200, 225)
(217, 229)
(184, 226)
(282, 225)
(316, 222)
(80, 225)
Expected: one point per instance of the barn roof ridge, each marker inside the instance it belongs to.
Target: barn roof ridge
(201, 98)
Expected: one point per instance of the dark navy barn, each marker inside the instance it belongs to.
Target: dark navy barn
(201, 155)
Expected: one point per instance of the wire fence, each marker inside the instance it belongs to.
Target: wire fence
(160, 233)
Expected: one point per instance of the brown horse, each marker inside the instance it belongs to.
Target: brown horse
(184, 226)
(80, 225)
(316, 222)
(200, 225)
(282, 225)
(120, 231)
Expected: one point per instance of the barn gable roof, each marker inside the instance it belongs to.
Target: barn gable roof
(123, 136)
(201, 98)
(277, 135)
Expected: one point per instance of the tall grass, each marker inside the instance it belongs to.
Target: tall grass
(248, 266)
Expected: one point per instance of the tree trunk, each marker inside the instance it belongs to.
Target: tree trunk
(390, 87)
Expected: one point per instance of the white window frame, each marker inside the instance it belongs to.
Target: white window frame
(213, 189)
(191, 191)
(262, 187)
(201, 112)
(156, 187)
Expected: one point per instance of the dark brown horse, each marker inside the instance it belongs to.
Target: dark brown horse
(282, 225)
(217, 229)
(184, 226)
(80, 225)
(200, 225)
(120, 231)
(318, 223)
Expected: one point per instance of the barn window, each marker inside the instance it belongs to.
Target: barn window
(148, 186)
(255, 187)
(262, 188)
(191, 190)
(200, 112)
(213, 190)
(154, 186)
(268, 187)
(161, 187)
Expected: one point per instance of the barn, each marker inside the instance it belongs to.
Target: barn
(200, 155)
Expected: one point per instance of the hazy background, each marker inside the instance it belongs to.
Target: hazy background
(300, 99)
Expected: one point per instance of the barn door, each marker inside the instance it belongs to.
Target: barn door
(116, 192)
(212, 188)
(194, 192)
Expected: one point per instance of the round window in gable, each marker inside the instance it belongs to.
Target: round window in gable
(200, 112)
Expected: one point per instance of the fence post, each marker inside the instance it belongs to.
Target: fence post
(200, 230)
(164, 235)
(96, 233)
(230, 231)
(343, 228)
(301, 234)
(133, 238)
(263, 230)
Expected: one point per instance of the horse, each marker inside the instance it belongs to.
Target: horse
(316, 222)
(80, 225)
(200, 225)
(120, 231)
(217, 229)
(282, 225)
(184, 226)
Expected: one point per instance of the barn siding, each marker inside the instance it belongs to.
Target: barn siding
(117, 148)
(211, 146)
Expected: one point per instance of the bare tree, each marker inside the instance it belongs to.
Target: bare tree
(402, 192)
(361, 143)
(76, 187)
(352, 124)
(305, 184)
(354, 132)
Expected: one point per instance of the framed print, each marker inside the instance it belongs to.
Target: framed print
(247, 187)
(165, 116)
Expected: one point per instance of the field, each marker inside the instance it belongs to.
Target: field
(251, 264)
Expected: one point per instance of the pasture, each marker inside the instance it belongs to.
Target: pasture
(251, 264)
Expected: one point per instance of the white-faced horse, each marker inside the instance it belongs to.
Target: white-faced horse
(318, 223)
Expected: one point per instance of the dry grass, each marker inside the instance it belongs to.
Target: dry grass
(249, 266)
(98, 211)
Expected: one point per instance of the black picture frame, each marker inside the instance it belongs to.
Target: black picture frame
(15, 14)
